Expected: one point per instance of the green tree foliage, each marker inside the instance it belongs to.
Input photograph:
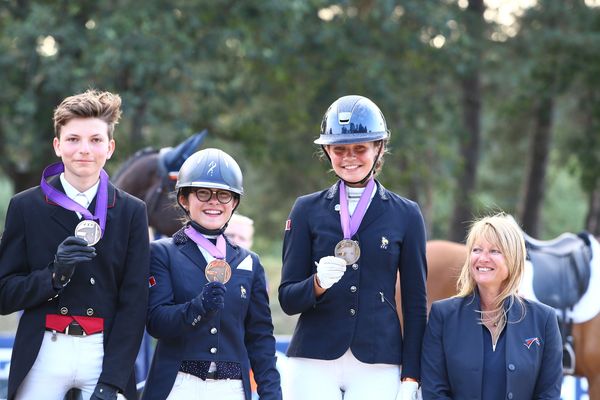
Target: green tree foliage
(259, 74)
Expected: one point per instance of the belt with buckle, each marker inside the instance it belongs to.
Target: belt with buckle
(73, 329)
(211, 375)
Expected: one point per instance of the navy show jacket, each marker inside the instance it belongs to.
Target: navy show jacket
(242, 332)
(452, 359)
(359, 311)
(112, 286)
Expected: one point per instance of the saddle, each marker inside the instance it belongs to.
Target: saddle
(561, 269)
(561, 275)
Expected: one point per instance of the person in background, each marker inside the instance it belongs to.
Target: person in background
(342, 249)
(240, 231)
(487, 342)
(74, 257)
(208, 305)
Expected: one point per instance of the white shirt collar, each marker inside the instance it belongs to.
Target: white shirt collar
(71, 192)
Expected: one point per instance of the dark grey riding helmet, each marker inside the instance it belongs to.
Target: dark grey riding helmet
(211, 168)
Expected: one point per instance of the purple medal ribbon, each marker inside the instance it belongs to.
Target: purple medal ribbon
(350, 224)
(217, 251)
(64, 201)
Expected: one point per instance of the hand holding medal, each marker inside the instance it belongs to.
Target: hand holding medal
(89, 231)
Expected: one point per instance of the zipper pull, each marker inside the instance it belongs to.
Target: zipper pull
(382, 298)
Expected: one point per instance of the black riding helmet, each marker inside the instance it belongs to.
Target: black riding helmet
(353, 119)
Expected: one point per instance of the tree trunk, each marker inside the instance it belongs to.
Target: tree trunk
(469, 143)
(538, 165)
(592, 221)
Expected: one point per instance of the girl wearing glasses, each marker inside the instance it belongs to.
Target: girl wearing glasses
(208, 305)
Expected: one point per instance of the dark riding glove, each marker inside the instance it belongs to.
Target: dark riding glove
(104, 391)
(209, 301)
(70, 252)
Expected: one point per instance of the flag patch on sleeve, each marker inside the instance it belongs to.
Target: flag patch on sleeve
(151, 281)
(288, 225)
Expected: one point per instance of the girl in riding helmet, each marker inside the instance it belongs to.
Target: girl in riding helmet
(208, 305)
(343, 248)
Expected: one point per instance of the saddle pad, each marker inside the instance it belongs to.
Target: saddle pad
(589, 304)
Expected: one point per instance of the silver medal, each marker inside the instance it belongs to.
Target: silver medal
(89, 231)
(349, 250)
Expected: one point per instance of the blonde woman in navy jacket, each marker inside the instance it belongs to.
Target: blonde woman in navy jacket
(209, 334)
(348, 341)
(487, 342)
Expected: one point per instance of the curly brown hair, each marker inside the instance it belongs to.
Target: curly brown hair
(89, 104)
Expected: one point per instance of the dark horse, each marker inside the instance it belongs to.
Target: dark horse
(561, 274)
(150, 175)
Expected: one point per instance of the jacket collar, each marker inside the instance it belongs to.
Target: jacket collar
(191, 251)
(112, 193)
(376, 210)
(67, 218)
(333, 190)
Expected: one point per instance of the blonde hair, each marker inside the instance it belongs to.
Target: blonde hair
(503, 231)
(90, 104)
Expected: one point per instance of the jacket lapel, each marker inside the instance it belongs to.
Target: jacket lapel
(473, 337)
(191, 251)
(376, 208)
(67, 218)
(374, 211)
(63, 217)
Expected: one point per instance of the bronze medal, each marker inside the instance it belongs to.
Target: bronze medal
(218, 271)
(89, 231)
(349, 250)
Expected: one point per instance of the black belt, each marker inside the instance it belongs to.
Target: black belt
(73, 329)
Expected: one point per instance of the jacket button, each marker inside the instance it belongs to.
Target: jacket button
(353, 289)
(213, 350)
(64, 310)
(511, 367)
(213, 330)
(92, 281)
(509, 395)
(89, 312)
(352, 311)
(355, 266)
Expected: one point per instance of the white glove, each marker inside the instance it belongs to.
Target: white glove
(409, 391)
(330, 270)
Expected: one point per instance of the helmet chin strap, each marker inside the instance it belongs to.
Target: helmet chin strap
(210, 232)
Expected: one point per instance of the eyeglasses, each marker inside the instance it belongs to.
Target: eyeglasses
(223, 196)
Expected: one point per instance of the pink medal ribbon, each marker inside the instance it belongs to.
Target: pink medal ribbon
(217, 270)
(347, 248)
(87, 231)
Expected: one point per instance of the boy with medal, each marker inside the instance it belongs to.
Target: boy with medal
(342, 250)
(74, 258)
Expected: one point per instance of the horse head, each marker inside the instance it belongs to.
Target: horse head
(171, 159)
(150, 175)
